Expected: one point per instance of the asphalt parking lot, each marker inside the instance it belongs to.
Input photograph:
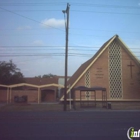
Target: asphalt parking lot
(72, 125)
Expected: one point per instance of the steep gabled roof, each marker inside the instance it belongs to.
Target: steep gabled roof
(124, 46)
(85, 66)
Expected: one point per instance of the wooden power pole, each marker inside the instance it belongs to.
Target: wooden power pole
(66, 55)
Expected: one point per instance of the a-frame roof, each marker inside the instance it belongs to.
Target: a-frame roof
(85, 66)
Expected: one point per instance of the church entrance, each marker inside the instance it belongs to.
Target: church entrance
(87, 99)
(88, 96)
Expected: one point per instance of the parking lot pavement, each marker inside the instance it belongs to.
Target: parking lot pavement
(80, 125)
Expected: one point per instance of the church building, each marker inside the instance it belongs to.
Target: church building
(113, 67)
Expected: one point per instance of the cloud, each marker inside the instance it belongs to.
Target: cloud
(37, 43)
(49, 23)
(24, 28)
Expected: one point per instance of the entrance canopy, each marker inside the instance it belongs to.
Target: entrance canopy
(90, 89)
(83, 88)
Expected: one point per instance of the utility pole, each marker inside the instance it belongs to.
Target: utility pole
(66, 55)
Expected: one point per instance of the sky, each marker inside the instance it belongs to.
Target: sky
(32, 33)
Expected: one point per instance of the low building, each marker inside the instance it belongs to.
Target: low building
(34, 90)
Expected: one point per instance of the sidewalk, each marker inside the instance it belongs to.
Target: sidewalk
(59, 107)
(105, 110)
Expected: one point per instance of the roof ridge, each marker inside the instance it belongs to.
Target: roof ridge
(91, 57)
(82, 69)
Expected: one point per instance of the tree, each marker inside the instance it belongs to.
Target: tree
(48, 75)
(39, 76)
(9, 73)
(45, 76)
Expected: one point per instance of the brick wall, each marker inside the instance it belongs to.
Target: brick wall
(3, 95)
(50, 96)
(99, 77)
(131, 85)
(32, 95)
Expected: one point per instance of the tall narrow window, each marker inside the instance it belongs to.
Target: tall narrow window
(87, 84)
(115, 71)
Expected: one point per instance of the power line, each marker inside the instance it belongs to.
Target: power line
(30, 18)
(44, 54)
(63, 3)
(54, 47)
(62, 51)
(104, 5)
(31, 59)
(103, 30)
(73, 34)
(45, 46)
(60, 55)
(33, 4)
(103, 12)
(70, 29)
(29, 10)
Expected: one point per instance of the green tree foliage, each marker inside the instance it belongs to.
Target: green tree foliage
(39, 76)
(45, 76)
(9, 73)
(48, 75)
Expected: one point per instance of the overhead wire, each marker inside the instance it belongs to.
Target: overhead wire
(54, 27)
(73, 34)
(29, 10)
(43, 23)
(30, 19)
(103, 12)
(104, 5)
(54, 54)
(33, 4)
(74, 28)
(103, 30)
(64, 3)
(58, 55)
(106, 12)
(52, 47)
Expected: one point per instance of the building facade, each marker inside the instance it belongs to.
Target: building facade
(113, 67)
(34, 90)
